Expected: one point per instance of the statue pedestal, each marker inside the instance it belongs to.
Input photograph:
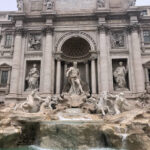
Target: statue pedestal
(75, 101)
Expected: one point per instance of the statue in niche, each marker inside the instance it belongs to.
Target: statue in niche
(20, 5)
(120, 77)
(35, 42)
(117, 40)
(33, 78)
(73, 76)
(100, 3)
(49, 4)
(75, 91)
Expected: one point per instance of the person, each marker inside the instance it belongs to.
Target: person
(73, 76)
(33, 78)
(120, 76)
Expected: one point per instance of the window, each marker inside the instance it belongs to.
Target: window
(4, 78)
(8, 41)
(144, 13)
(146, 36)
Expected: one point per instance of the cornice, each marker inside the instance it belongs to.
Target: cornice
(102, 12)
(18, 16)
(48, 14)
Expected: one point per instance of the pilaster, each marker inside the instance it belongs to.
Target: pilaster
(103, 59)
(136, 56)
(47, 61)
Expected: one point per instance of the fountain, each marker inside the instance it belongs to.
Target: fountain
(75, 120)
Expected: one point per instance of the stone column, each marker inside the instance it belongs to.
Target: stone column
(16, 62)
(103, 59)
(93, 76)
(65, 68)
(47, 58)
(87, 72)
(137, 61)
(58, 77)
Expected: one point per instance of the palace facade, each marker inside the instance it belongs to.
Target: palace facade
(109, 40)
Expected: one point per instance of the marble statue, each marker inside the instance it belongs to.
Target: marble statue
(29, 105)
(100, 3)
(73, 76)
(35, 42)
(119, 103)
(20, 5)
(49, 4)
(120, 77)
(102, 105)
(33, 78)
(45, 104)
(132, 2)
(75, 90)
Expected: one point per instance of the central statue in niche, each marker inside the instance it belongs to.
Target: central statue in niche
(73, 76)
(75, 91)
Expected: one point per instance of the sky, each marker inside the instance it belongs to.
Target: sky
(8, 5)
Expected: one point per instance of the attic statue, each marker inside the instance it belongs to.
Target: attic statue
(49, 4)
(20, 5)
(100, 3)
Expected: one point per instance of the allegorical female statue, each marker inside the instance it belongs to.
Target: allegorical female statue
(33, 78)
(120, 76)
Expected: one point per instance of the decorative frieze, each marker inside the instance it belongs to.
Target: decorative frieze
(34, 42)
(117, 40)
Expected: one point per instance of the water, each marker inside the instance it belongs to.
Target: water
(39, 148)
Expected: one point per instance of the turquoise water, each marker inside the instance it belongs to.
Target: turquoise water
(39, 148)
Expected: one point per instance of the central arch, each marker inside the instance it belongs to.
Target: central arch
(79, 47)
(76, 48)
(78, 34)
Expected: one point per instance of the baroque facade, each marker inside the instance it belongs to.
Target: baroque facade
(109, 40)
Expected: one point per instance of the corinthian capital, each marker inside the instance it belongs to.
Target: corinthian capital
(48, 29)
(103, 28)
(19, 30)
(133, 27)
